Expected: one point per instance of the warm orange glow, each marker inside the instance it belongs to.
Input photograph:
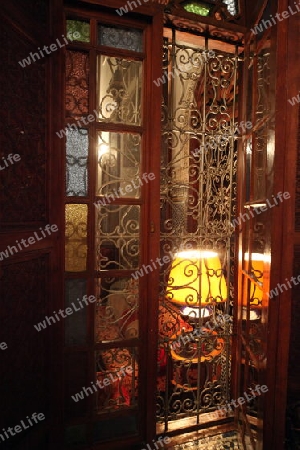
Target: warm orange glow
(196, 278)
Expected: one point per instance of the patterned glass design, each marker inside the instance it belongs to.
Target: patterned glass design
(78, 30)
(119, 156)
(231, 6)
(76, 238)
(124, 38)
(116, 309)
(117, 237)
(77, 153)
(77, 84)
(117, 379)
(75, 323)
(119, 90)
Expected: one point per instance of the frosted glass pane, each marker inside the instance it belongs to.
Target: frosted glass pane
(127, 39)
(78, 30)
(76, 170)
(76, 238)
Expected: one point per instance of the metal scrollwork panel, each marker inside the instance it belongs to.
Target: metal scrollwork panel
(117, 237)
(116, 315)
(119, 90)
(119, 156)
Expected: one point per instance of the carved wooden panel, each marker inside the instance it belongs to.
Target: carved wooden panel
(22, 131)
(24, 368)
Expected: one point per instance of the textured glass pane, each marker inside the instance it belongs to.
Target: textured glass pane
(116, 309)
(231, 6)
(78, 30)
(77, 83)
(76, 170)
(119, 89)
(76, 246)
(75, 323)
(119, 157)
(121, 38)
(117, 379)
(117, 237)
(198, 8)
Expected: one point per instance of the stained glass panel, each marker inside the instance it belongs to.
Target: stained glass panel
(116, 378)
(119, 157)
(116, 309)
(76, 238)
(127, 39)
(76, 167)
(119, 90)
(75, 324)
(77, 84)
(117, 237)
(78, 30)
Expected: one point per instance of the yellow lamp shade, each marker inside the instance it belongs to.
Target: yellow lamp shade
(257, 271)
(196, 279)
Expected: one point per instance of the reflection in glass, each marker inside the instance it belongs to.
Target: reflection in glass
(116, 309)
(116, 378)
(119, 85)
(117, 237)
(76, 238)
(118, 165)
(76, 167)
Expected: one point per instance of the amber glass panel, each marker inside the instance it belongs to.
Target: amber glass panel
(116, 378)
(78, 30)
(76, 168)
(119, 90)
(119, 157)
(117, 237)
(76, 235)
(77, 83)
(127, 39)
(116, 309)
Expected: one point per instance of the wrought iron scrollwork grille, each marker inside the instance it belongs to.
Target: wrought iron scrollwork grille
(198, 194)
